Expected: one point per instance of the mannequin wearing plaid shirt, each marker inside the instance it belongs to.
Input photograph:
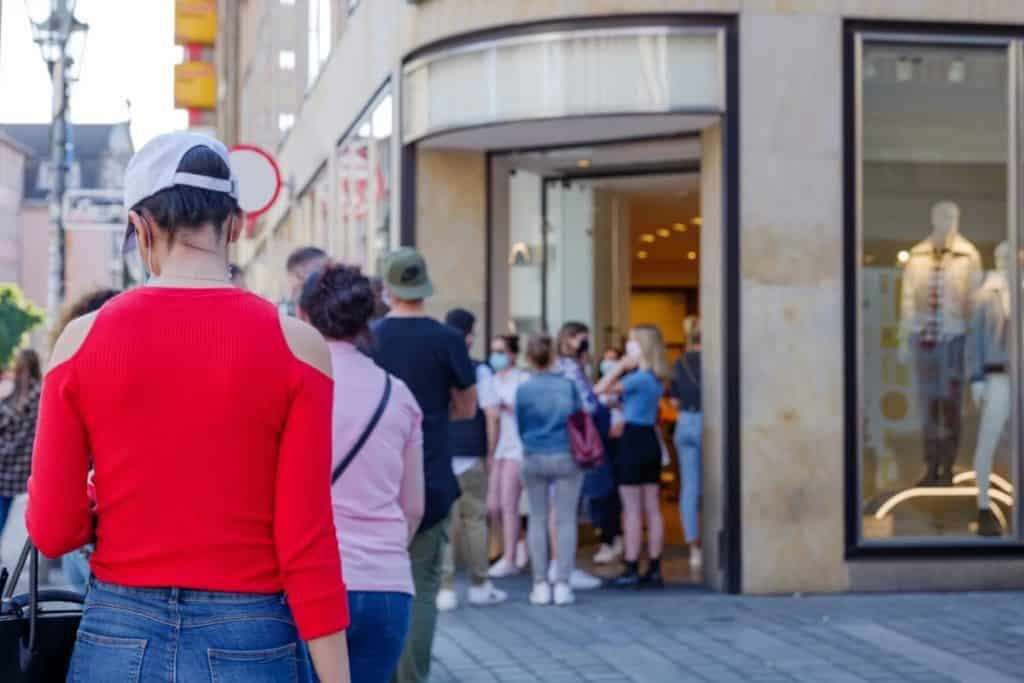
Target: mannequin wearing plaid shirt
(939, 282)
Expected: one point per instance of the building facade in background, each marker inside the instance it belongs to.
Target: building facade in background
(94, 218)
(834, 187)
(12, 183)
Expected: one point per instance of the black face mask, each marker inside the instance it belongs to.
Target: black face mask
(583, 348)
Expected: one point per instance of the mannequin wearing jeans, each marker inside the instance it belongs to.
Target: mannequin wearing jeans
(940, 278)
(990, 384)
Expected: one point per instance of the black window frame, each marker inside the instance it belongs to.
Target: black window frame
(855, 547)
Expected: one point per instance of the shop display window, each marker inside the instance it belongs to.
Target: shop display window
(937, 311)
(364, 187)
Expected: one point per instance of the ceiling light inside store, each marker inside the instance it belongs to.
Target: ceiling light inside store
(905, 69)
(679, 227)
(583, 163)
(692, 256)
(696, 220)
(664, 232)
(641, 254)
(647, 237)
(957, 71)
(903, 256)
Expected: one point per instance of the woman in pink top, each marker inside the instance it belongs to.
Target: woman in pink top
(378, 498)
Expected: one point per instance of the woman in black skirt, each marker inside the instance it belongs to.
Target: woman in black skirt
(639, 379)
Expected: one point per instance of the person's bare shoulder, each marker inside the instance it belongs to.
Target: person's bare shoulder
(306, 344)
(71, 339)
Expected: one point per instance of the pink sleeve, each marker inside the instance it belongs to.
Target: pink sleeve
(307, 548)
(407, 496)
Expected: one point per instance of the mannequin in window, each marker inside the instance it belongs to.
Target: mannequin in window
(990, 383)
(939, 281)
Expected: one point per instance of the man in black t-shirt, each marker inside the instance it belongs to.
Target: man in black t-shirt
(433, 361)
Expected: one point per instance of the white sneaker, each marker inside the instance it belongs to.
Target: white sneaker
(501, 569)
(563, 595)
(541, 594)
(582, 581)
(486, 595)
(696, 557)
(447, 600)
(606, 554)
(618, 546)
(522, 556)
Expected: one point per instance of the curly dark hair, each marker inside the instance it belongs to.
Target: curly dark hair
(339, 301)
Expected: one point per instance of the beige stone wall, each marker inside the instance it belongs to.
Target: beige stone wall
(713, 340)
(451, 231)
(791, 303)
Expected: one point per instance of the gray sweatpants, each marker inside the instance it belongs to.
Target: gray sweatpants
(539, 472)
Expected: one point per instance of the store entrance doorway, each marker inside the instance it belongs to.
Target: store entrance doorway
(608, 235)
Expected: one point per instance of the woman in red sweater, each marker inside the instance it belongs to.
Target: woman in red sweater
(207, 417)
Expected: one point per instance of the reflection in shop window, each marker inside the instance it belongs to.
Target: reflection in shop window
(364, 187)
(318, 37)
(937, 458)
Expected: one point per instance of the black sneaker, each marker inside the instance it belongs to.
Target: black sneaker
(988, 524)
(627, 579)
(652, 579)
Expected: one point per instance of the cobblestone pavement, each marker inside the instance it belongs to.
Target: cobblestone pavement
(690, 635)
(686, 634)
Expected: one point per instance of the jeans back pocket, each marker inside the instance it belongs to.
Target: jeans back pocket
(105, 658)
(275, 665)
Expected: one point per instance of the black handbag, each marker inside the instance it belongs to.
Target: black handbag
(37, 629)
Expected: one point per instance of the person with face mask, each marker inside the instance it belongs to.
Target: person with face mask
(639, 378)
(207, 416)
(505, 486)
(573, 347)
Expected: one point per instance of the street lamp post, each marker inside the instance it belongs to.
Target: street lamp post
(61, 40)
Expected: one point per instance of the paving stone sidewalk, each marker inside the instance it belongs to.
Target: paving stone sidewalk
(687, 635)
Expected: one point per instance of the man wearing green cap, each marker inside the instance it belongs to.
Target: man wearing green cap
(432, 359)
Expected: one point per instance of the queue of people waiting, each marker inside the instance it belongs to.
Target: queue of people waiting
(253, 490)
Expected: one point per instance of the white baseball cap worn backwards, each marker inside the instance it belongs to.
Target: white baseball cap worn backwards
(155, 168)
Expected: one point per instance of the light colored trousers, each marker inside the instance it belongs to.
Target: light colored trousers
(468, 528)
(995, 413)
(539, 472)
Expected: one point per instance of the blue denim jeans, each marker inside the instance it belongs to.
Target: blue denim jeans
(172, 634)
(689, 439)
(380, 623)
(75, 566)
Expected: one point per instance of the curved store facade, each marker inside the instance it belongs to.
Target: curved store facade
(836, 191)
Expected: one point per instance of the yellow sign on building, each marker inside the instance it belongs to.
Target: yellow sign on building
(195, 22)
(195, 86)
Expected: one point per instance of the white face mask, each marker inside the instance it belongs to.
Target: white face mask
(607, 366)
(633, 349)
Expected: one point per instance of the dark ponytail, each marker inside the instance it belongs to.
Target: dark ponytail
(184, 208)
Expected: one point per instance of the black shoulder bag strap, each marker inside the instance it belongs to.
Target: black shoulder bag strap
(361, 441)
